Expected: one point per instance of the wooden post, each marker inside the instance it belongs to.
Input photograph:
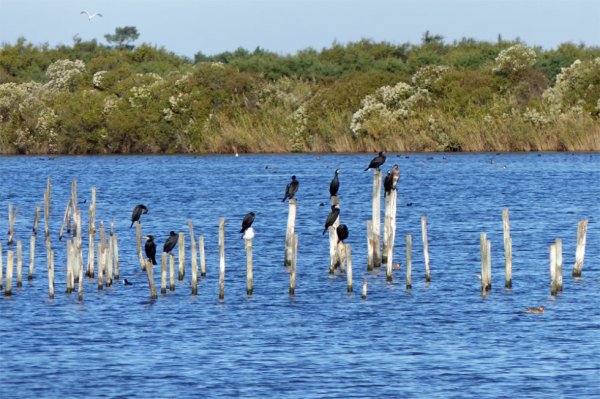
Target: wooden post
(163, 273)
(409, 261)
(12, 217)
(334, 260)
(66, 217)
(150, 274)
(1, 266)
(364, 288)
(376, 197)
(19, 263)
(553, 285)
(202, 257)
(77, 247)
(559, 265)
(9, 272)
(341, 255)
(222, 258)
(348, 268)
(100, 266)
(580, 250)
(425, 247)
(194, 259)
(289, 233)
(74, 195)
(369, 245)
(31, 257)
(91, 234)
(47, 209)
(69, 266)
(138, 244)
(115, 239)
(389, 258)
(171, 272)
(507, 249)
(109, 263)
(486, 272)
(51, 274)
(36, 219)
(181, 255)
(249, 273)
(80, 287)
(293, 266)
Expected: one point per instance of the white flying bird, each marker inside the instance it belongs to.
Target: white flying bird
(90, 16)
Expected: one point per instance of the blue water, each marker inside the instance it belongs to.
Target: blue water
(437, 340)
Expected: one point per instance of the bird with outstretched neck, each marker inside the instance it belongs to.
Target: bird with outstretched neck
(377, 161)
(138, 211)
(291, 189)
(334, 186)
(150, 249)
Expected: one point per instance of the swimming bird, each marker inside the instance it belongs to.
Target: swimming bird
(377, 161)
(247, 222)
(334, 186)
(342, 232)
(396, 173)
(388, 183)
(138, 211)
(291, 189)
(331, 218)
(538, 310)
(90, 16)
(150, 249)
(170, 243)
(125, 282)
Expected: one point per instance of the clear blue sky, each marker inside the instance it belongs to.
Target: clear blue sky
(285, 26)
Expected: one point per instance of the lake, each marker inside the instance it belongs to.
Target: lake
(436, 340)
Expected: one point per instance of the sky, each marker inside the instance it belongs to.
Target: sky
(186, 27)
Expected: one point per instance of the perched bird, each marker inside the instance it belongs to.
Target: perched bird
(138, 211)
(377, 161)
(125, 282)
(331, 218)
(150, 249)
(291, 189)
(90, 16)
(247, 222)
(388, 183)
(334, 186)
(538, 310)
(396, 173)
(342, 232)
(170, 243)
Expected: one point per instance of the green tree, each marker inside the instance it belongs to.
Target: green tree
(123, 36)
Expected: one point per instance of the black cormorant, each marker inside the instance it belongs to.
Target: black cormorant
(331, 218)
(138, 211)
(377, 161)
(388, 183)
(334, 186)
(150, 249)
(247, 222)
(170, 243)
(342, 232)
(290, 189)
(396, 173)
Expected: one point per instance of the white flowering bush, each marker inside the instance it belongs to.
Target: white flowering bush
(62, 74)
(290, 93)
(535, 117)
(110, 103)
(428, 75)
(300, 118)
(514, 60)
(138, 96)
(576, 86)
(97, 80)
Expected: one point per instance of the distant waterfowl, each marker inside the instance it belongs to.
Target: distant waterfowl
(150, 249)
(377, 161)
(342, 232)
(388, 183)
(291, 189)
(90, 16)
(334, 186)
(396, 173)
(247, 222)
(138, 211)
(170, 243)
(538, 310)
(125, 282)
(331, 218)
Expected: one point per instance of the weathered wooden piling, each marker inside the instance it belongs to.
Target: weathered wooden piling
(409, 261)
(69, 275)
(91, 234)
(364, 288)
(334, 259)
(80, 287)
(507, 249)
(19, 263)
(138, 244)
(370, 245)
(51, 274)
(1, 267)
(222, 257)
(425, 247)
(150, 275)
(171, 272)
(31, 257)
(249, 272)
(108, 278)
(74, 195)
(292, 290)
(66, 218)
(36, 219)
(115, 240)
(580, 249)
(77, 239)
(559, 264)
(9, 272)
(47, 209)
(163, 273)
(553, 284)
(389, 225)
(202, 256)
(376, 207)
(181, 255)
(289, 233)
(12, 217)
(486, 272)
(193, 251)
(100, 266)
(348, 268)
